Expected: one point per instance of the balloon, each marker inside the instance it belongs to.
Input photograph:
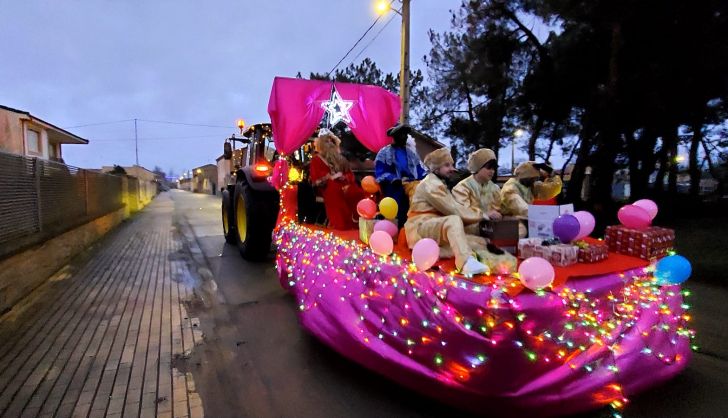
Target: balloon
(649, 206)
(369, 185)
(425, 253)
(387, 226)
(536, 273)
(673, 269)
(381, 243)
(586, 223)
(633, 217)
(566, 227)
(388, 208)
(366, 208)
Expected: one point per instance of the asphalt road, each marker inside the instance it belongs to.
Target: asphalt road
(258, 362)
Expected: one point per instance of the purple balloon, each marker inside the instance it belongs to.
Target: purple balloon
(387, 226)
(566, 227)
(586, 223)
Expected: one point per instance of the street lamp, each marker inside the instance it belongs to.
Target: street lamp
(383, 6)
(241, 125)
(517, 134)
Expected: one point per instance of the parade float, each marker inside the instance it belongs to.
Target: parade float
(550, 340)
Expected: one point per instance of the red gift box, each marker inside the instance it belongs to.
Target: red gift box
(592, 252)
(647, 244)
(557, 254)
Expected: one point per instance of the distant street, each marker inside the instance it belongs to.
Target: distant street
(257, 361)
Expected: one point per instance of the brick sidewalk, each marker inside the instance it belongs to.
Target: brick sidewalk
(102, 338)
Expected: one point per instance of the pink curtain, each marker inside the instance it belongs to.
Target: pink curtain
(295, 111)
(374, 111)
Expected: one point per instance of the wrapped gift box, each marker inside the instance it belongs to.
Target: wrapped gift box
(647, 244)
(366, 227)
(592, 252)
(556, 254)
(530, 247)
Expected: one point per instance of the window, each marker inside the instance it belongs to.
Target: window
(33, 140)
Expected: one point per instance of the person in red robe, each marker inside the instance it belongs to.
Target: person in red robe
(331, 175)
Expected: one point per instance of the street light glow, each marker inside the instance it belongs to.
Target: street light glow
(382, 6)
(518, 133)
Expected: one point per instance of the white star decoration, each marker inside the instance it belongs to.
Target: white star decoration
(338, 109)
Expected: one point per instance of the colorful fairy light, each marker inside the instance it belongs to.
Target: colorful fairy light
(584, 326)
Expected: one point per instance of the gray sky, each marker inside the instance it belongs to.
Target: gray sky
(77, 62)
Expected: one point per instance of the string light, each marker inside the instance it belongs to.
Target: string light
(582, 326)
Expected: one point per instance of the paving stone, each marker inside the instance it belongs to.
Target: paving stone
(102, 342)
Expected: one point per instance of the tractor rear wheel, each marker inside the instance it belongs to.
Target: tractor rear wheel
(255, 218)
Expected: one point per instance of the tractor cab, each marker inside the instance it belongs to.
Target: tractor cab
(250, 203)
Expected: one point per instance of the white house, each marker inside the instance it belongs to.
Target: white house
(24, 134)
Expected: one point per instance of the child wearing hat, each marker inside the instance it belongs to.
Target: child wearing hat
(435, 214)
(478, 192)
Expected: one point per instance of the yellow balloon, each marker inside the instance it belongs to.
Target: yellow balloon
(388, 208)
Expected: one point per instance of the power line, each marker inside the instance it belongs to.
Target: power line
(374, 38)
(150, 121)
(98, 123)
(185, 123)
(152, 138)
(355, 44)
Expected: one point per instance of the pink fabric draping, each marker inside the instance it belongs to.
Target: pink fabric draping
(374, 111)
(470, 345)
(295, 111)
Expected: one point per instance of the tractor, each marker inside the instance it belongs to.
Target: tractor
(249, 201)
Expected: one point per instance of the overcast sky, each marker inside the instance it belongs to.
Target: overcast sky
(78, 62)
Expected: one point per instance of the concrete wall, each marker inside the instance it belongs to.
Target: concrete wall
(22, 273)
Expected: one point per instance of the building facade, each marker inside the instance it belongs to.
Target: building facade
(24, 134)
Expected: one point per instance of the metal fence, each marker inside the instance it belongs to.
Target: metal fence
(40, 199)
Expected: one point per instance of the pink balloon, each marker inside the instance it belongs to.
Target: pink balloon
(387, 226)
(381, 243)
(586, 223)
(366, 208)
(425, 253)
(649, 206)
(536, 273)
(634, 217)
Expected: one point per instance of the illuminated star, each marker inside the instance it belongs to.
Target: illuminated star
(338, 109)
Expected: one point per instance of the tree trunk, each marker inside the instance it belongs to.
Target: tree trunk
(608, 138)
(552, 140)
(693, 159)
(711, 168)
(672, 171)
(573, 192)
(537, 127)
(663, 158)
(636, 186)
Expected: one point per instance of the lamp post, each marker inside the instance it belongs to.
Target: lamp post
(382, 7)
(517, 134)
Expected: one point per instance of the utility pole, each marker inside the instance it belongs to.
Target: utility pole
(404, 79)
(136, 142)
